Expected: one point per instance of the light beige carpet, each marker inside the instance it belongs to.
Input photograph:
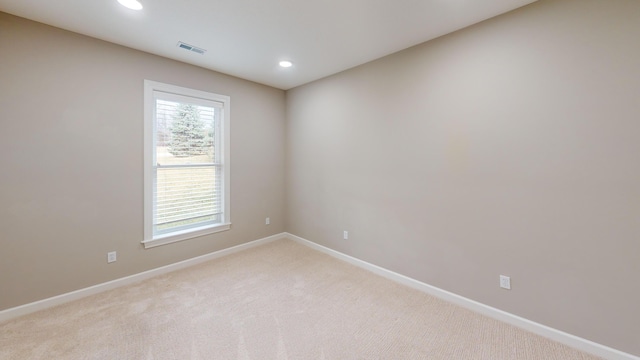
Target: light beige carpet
(281, 300)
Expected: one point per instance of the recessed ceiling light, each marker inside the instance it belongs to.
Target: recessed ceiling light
(131, 4)
(286, 64)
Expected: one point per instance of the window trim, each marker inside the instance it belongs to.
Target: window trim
(149, 240)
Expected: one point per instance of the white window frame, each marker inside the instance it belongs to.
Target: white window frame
(149, 149)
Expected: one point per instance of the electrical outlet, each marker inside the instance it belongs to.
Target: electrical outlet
(111, 257)
(505, 282)
(345, 235)
(267, 221)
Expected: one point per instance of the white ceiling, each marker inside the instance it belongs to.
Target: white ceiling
(247, 38)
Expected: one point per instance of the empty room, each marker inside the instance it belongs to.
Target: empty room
(278, 179)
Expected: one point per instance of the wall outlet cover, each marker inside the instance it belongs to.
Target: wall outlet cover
(505, 282)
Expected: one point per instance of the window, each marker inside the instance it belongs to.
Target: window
(186, 154)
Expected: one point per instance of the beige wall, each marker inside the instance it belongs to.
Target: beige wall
(71, 156)
(507, 148)
(510, 147)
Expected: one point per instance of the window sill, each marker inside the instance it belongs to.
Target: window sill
(185, 235)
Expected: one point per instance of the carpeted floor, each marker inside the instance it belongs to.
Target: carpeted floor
(281, 300)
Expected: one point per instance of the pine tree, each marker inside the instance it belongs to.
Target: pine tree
(188, 135)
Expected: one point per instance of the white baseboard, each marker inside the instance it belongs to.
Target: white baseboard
(81, 293)
(536, 328)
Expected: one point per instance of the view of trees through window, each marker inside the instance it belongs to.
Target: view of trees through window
(187, 174)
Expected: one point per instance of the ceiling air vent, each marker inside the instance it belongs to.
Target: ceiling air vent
(191, 48)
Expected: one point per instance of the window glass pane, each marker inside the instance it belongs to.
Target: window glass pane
(186, 196)
(187, 191)
(185, 133)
